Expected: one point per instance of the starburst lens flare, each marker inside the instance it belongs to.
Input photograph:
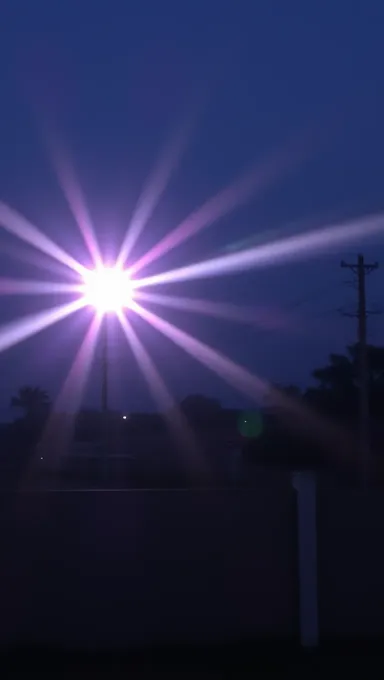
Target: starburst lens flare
(24, 328)
(250, 384)
(163, 397)
(20, 227)
(269, 254)
(62, 418)
(239, 192)
(107, 289)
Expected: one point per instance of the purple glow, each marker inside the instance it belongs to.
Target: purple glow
(58, 431)
(72, 191)
(227, 369)
(273, 253)
(262, 318)
(25, 287)
(72, 391)
(247, 383)
(20, 330)
(160, 392)
(156, 384)
(19, 226)
(252, 183)
(152, 193)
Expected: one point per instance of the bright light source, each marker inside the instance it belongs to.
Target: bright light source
(107, 289)
(124, 417)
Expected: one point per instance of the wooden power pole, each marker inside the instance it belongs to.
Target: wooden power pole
(361, 269)
(105, 387)
(104, 370)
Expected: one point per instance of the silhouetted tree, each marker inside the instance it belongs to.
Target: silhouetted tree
(200, 410)
(271, 399)
(337, 390)
(34, 402)
(25, 432)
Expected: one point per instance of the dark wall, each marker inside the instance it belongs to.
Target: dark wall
(106, 567)
(351, 562)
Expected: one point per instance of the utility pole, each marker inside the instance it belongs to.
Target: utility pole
(105, 385)
(361, 269)
(104, 370)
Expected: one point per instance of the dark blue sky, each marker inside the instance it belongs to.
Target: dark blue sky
(114, 80)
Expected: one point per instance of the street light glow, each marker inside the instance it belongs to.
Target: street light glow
(107, 289)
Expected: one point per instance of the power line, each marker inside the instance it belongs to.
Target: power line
(361, 269)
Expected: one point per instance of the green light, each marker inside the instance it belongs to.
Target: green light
(250, 424)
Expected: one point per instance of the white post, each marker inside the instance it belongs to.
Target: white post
(305, 484)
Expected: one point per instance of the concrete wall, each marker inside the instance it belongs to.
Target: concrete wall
(106, 566)
(110, 567)
(351, 562)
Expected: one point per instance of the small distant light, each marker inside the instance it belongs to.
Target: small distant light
(250, 424)
(124, 417)
(41, 458)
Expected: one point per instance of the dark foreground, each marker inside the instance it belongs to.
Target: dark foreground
(102, 568)
(228, 659)
(195, 580)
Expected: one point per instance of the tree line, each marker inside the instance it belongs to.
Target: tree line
(334, 394)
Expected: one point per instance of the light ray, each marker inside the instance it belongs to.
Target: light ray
(70, 186)
(205, 354)
(274, 253)
(24, 252)
(262, 318)
(152, 376)
(249, 384)
(59, 429)
(177, 423)
(31, 287)
(72, 391)
(152, 193)
(19, 226)
(250, 185)
(17, 331)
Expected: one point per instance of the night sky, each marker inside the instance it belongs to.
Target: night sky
(114, 83)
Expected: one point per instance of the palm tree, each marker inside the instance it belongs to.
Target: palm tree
(338, 382)
(33, 401)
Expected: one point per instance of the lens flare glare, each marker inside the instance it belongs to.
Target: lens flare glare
(107, 289)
